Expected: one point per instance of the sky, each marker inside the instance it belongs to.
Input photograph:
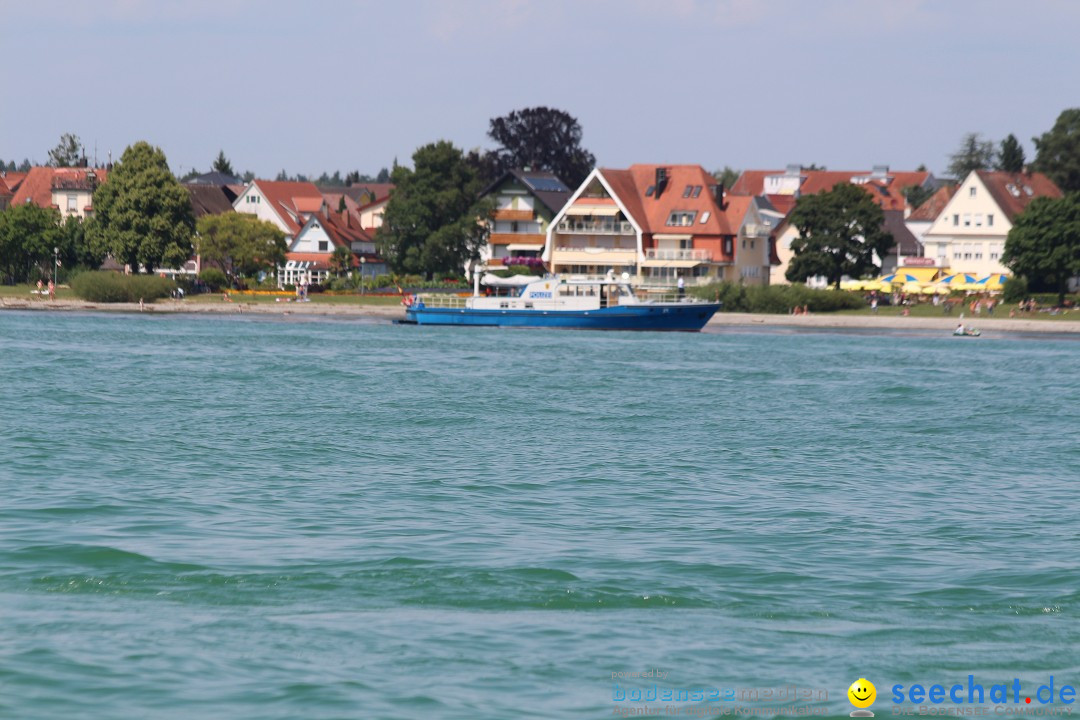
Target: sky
(347, 85)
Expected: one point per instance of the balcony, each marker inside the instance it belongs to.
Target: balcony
(594, 256)
(515, 215)
(755, 230)
(596, 227)
(678, 255)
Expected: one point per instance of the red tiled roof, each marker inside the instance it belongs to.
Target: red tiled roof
(752, 182)
(652, 213)
(933, 205)
(782, 203)
(13, 180)
(1014, 191)
(38, 184)
(308, 204)
(282, 197)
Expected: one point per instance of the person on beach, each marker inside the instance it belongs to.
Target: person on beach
(52, 290)
(873, 305)
(40, 287)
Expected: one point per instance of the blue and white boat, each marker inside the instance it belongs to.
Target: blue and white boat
(607, 303)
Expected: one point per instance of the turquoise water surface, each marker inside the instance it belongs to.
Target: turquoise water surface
(217, 517)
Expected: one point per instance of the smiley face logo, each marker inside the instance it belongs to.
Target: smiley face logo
(862, 693)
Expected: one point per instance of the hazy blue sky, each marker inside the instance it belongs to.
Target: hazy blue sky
(338, 84)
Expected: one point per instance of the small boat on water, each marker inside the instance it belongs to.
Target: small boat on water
(605, 303)
(962, 331)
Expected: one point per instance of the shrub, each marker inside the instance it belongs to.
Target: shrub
(213, 278)
(109, 287)
(776, 299)
(1015, 290)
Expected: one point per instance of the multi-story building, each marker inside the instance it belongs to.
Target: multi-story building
(69, 190)
(656, 222)
(968, 235)
(525, 203)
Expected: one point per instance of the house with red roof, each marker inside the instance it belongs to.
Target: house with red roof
(69, 190)
(783, 188)
(525, 202)
(657, 222)
(968, 235)
(288, 205)
(920, 219)
(308, 258)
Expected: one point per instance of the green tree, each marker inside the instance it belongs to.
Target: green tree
(240, 244)
(974, 153)
(142, 214)
(432, 222)
(222, 165)
(727, 176)
(840, 230)
(542, 138)
(384, 174)
(1057, 152)
(916, 195)
(67, 153)
(341, 260)
(28, 234)
(1044, 243)
(1011, 155)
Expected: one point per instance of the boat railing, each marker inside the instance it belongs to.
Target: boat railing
(666, 297)
(443, 300)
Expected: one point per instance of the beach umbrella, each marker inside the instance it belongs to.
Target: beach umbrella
(957, 279)
(912, 287)
(900, 278)
(931, 290)
(993, 282)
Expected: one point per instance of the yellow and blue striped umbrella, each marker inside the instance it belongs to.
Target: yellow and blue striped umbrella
(993, 282)
(957, 279)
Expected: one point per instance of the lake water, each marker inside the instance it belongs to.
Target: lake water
(256, 517)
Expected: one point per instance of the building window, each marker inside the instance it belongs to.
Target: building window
(956, 254)
(978, 219)
(751, 244)
(728, 246)
(967, 219)
(73, 203)
(978, 256)
(324, 245)
(681, 218)
(697, 190)
(744, 244)
(990, 220)
(955, 220)
(689, 189)
(995, 255)
(971, 191)
(514, 226)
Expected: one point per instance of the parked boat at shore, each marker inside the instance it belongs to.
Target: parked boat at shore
(598, 303)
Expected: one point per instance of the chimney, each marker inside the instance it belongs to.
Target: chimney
(718, 191)
(661, 181)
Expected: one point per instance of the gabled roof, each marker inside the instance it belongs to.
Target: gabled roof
(14, 179)
(1014, 191)
(208, 199)
(38, 185)
(933, 205)
(906, 243)
(545, 186)
(358, 191)
(651, 213)
(283, 197)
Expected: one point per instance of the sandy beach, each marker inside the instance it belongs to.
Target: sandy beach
(392, 312)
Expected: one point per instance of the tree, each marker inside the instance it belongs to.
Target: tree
(142, 214)
(727, 176)
(1044, 243)
(24, 166)
(974, 153)
(840, 231)
(240, 244)
(28, 234)
(1011, 155)
(384, 174)
(67, 153)
(341, 260)
(433, 220)
(282, 176)
(222, 165)
(1057, 152)
(916, 195)
(542, 138)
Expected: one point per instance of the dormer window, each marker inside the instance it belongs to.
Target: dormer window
(681, 218)
(650, 191)
(697, 191)
(689, 189)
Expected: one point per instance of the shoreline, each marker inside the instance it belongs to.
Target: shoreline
(390, 312)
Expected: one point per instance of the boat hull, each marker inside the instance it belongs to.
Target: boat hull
(685, 317)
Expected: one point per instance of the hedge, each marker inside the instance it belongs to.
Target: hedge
(777, 299)
(110, 287)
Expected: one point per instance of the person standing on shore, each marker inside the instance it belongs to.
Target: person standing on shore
(52, 290)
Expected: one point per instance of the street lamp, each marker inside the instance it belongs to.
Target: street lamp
(363, 261)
